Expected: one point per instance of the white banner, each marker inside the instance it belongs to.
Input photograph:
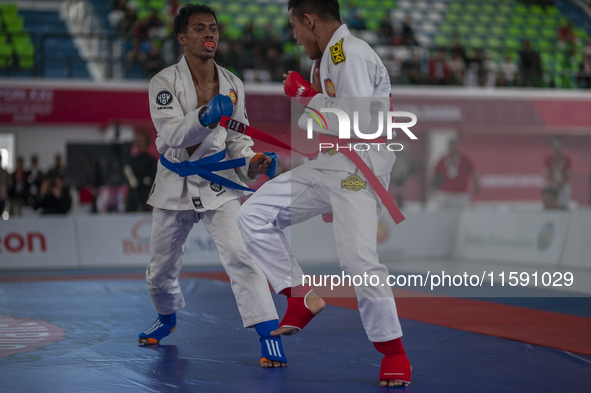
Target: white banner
(537, 238)
(577, 251)
(124, 240)
(44, 242)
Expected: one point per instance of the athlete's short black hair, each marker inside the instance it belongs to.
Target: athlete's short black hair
(182, 19)
(327, 10)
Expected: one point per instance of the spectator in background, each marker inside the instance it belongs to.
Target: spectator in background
(490, 69)
(584, 75)
(394, 67)
(508, 74)
(5, 182)
(411, 69)
(530, 65)
(140, 174)
(386, 31)
(18, 192)
(408, 37)
(354, 17)
(558, 172)
(54, 197)
(550, 199)
(565, 35)
(438, 69)
(452, 177)
(34, 178)
(475, 71)
(57, 168)
(457, 68)
(458, 47)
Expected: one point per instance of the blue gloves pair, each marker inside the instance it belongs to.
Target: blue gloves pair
(217, 107)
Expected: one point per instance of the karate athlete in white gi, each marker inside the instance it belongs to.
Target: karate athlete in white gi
(196, 181)
(348, 67)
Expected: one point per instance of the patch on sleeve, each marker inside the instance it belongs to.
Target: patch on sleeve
(234, 97)
(331, 90)
(164, 98)
(337, 53)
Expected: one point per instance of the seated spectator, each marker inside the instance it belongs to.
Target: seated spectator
(585, 70)
(550, 199)
(54, 197)
(394, 67)
(411, 69)
(386, 31)
(565, 35)
(475, 71)
(354, 17)
(508, 74)
(530, 65)
(490, 69)
(140, 174)
(457, 68)
(34, 177)
(408, 37)
(5, 182)
(57, 168)
(439, 72)
(19, 191)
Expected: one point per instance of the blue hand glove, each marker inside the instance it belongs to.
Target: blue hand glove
(217, 107)
(273, 166)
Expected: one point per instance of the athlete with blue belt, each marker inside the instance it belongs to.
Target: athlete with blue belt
(196, 181)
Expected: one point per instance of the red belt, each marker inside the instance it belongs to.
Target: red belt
(351, 154)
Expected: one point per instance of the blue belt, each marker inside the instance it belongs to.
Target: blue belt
(205, 168)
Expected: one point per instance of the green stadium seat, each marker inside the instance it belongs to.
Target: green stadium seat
(514, 31)
(234, 8)
(497, 31)
(441, 42)
(241, 20)
(520, 9)
(517, 20)
(472, 8)
(581, 33)
(467, 18)
(501, 20)
(232, 32)
(536, 9)
(484, 19)
(9, 8)
(549, 21)
(476, 42)
(15, 25)
(273, 10)
(452, 17)
(548, 33)
(446, 28)
(372, 24)
(504, 9)
(456, 7)
(494, 43)
(254, 9)
(488, 9)
(261, 21)
(552, 11)
(480, 30)
(463, 29)
(531, 32)
(6, 59)
(157, 4)
(224, 19)
(3, 38)
(26, 56)
(533, 21)
(511, 44)
(544, 45)
(389, 4)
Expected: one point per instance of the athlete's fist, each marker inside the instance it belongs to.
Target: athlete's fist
(264, 163)
(297, 87)
(217, 107)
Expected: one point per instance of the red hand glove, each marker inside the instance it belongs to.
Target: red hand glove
(299, 88)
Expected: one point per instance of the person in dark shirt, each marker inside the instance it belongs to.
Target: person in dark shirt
(34, 179)
(19, 190)
(54, 197)
(140, 174)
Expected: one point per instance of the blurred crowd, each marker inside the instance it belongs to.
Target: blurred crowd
(29, 186)
(263, 53)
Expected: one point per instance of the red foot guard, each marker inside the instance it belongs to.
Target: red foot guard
(298, 315)
(395, 364)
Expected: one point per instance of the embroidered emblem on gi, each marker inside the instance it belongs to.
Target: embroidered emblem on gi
(336, 52)
(164, 98)
(331, 90)
(215, 187)
(197, 202)
(353, 183)
(234, 97)
(332, 152)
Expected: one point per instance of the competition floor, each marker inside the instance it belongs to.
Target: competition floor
(76, 332)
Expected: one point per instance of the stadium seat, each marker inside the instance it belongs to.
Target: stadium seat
(5, 56)
(9, 9)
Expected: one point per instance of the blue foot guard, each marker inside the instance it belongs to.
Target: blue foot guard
(162, 327)
(271, 348)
